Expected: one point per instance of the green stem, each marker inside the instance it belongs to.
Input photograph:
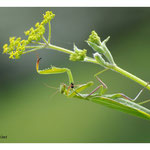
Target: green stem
(33, 50)
(64, 50)
(35, 42)
(32, 47)
(89, 59)
(131, 76)
(43, 38)
(49, 36)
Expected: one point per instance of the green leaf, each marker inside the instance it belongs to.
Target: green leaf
(98, 57)
(96, 48)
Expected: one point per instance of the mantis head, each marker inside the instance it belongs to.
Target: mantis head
(63, 89)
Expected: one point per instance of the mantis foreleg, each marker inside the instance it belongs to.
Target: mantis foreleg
(55, 70)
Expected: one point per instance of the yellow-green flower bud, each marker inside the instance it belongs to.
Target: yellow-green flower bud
(94, 38)
(27, 32)
(78, 54)
(48, 16)
(37, 24)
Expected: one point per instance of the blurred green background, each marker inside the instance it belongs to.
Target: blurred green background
(31, 112)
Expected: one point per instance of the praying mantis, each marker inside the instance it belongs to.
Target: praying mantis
(117, 101)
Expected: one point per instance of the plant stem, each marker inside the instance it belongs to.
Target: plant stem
(49, 35)
(33, 50)
(32, 47)
(115, 68)
(44, 40)
(131, 76)
(35, 42)
(89, 59)
(64, 50)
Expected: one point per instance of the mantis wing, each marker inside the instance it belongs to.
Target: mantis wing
(116, 102)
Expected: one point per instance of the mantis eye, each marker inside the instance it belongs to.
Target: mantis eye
(72, 85)
(62, 88)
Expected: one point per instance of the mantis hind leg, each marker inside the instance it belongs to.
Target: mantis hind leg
(136, 97)
(120, 94)
(144, 102)
(102, 87)
(101, 72)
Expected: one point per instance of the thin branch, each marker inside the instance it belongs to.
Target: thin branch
(33, 50)
(49, 36)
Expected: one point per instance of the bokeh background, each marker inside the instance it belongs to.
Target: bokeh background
(31, 112)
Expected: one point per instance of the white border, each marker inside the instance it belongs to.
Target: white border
(75, 3)
(81, 146)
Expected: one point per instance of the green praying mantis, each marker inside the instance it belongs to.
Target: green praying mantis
(116, 101)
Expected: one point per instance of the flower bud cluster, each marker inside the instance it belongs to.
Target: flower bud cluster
(17, 46)
(78, 54)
